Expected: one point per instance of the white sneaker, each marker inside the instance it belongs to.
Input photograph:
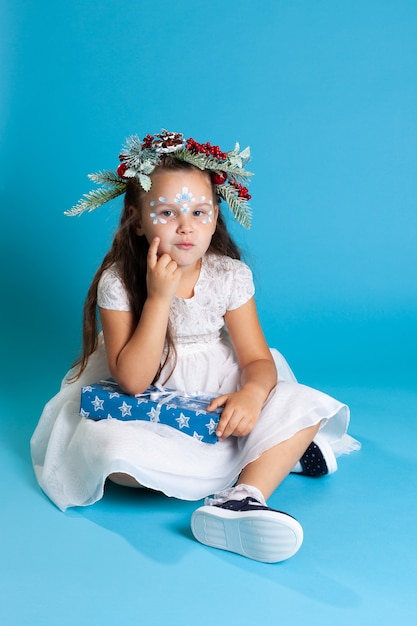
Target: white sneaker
(318, 460)
(248, 528)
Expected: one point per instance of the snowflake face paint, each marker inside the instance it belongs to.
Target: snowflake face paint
(157, 218)
(182, 203)
(209, 216)
(185, 198)
(180, 211)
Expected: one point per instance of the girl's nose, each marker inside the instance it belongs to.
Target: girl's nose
(185, 223)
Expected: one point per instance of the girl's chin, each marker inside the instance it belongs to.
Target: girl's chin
(185, 255)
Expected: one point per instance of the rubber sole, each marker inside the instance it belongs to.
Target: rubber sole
(267, 536)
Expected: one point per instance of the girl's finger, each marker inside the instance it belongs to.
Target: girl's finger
(172, 267)
(225, 427)
(165, 261)
(216, 402)
(153, 252)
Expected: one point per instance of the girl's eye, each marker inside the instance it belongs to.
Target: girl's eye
(162, 216)
(204, 216)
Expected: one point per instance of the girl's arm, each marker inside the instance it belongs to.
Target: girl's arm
(259, 375)
(134, 351)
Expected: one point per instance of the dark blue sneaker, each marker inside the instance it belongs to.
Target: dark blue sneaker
(318, 460)
(249, 528)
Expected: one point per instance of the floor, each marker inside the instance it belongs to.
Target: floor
(334, 151)
(131, 559)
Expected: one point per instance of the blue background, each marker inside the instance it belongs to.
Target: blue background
(325, 93)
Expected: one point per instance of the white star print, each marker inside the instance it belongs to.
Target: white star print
(125, 409)
(153, 415)
(211, 426)
(197, 436)
(183, 421)
(97, 403)
(84, 413)
(193, 405)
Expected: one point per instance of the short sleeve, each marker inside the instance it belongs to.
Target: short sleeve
(111, 293)
(242, 287)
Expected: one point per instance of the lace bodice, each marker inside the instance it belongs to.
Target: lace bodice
(224, 284)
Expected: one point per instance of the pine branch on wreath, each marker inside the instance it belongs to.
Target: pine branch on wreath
(239, 207)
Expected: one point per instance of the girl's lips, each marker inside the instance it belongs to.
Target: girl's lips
(185, 246)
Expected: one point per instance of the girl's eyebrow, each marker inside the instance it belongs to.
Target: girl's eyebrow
(174, 205)
(161, 202)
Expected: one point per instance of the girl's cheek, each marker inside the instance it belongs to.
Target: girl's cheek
(164, 232)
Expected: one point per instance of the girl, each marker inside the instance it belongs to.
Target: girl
(176, 307)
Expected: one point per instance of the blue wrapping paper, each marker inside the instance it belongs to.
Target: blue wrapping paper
(188, 414)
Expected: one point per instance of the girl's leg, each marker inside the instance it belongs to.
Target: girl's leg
(270, 469)
(124, 479)
(237, 520)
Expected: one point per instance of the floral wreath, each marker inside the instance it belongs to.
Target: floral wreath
(139, 158)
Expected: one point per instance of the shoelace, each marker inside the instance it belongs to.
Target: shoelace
(246, 504)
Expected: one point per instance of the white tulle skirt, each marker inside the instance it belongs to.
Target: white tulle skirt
(73, 456)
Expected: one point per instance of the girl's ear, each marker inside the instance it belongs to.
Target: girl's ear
(134, 213)
(215, 216)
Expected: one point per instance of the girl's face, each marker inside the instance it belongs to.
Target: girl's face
(180, 210)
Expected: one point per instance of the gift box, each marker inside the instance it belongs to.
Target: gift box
(186, 413)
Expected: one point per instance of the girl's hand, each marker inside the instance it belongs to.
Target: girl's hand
(240, 413)
(163, 275)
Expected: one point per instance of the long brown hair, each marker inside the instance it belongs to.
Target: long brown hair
(129, 254)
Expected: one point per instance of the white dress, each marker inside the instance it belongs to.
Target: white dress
(73, 455)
